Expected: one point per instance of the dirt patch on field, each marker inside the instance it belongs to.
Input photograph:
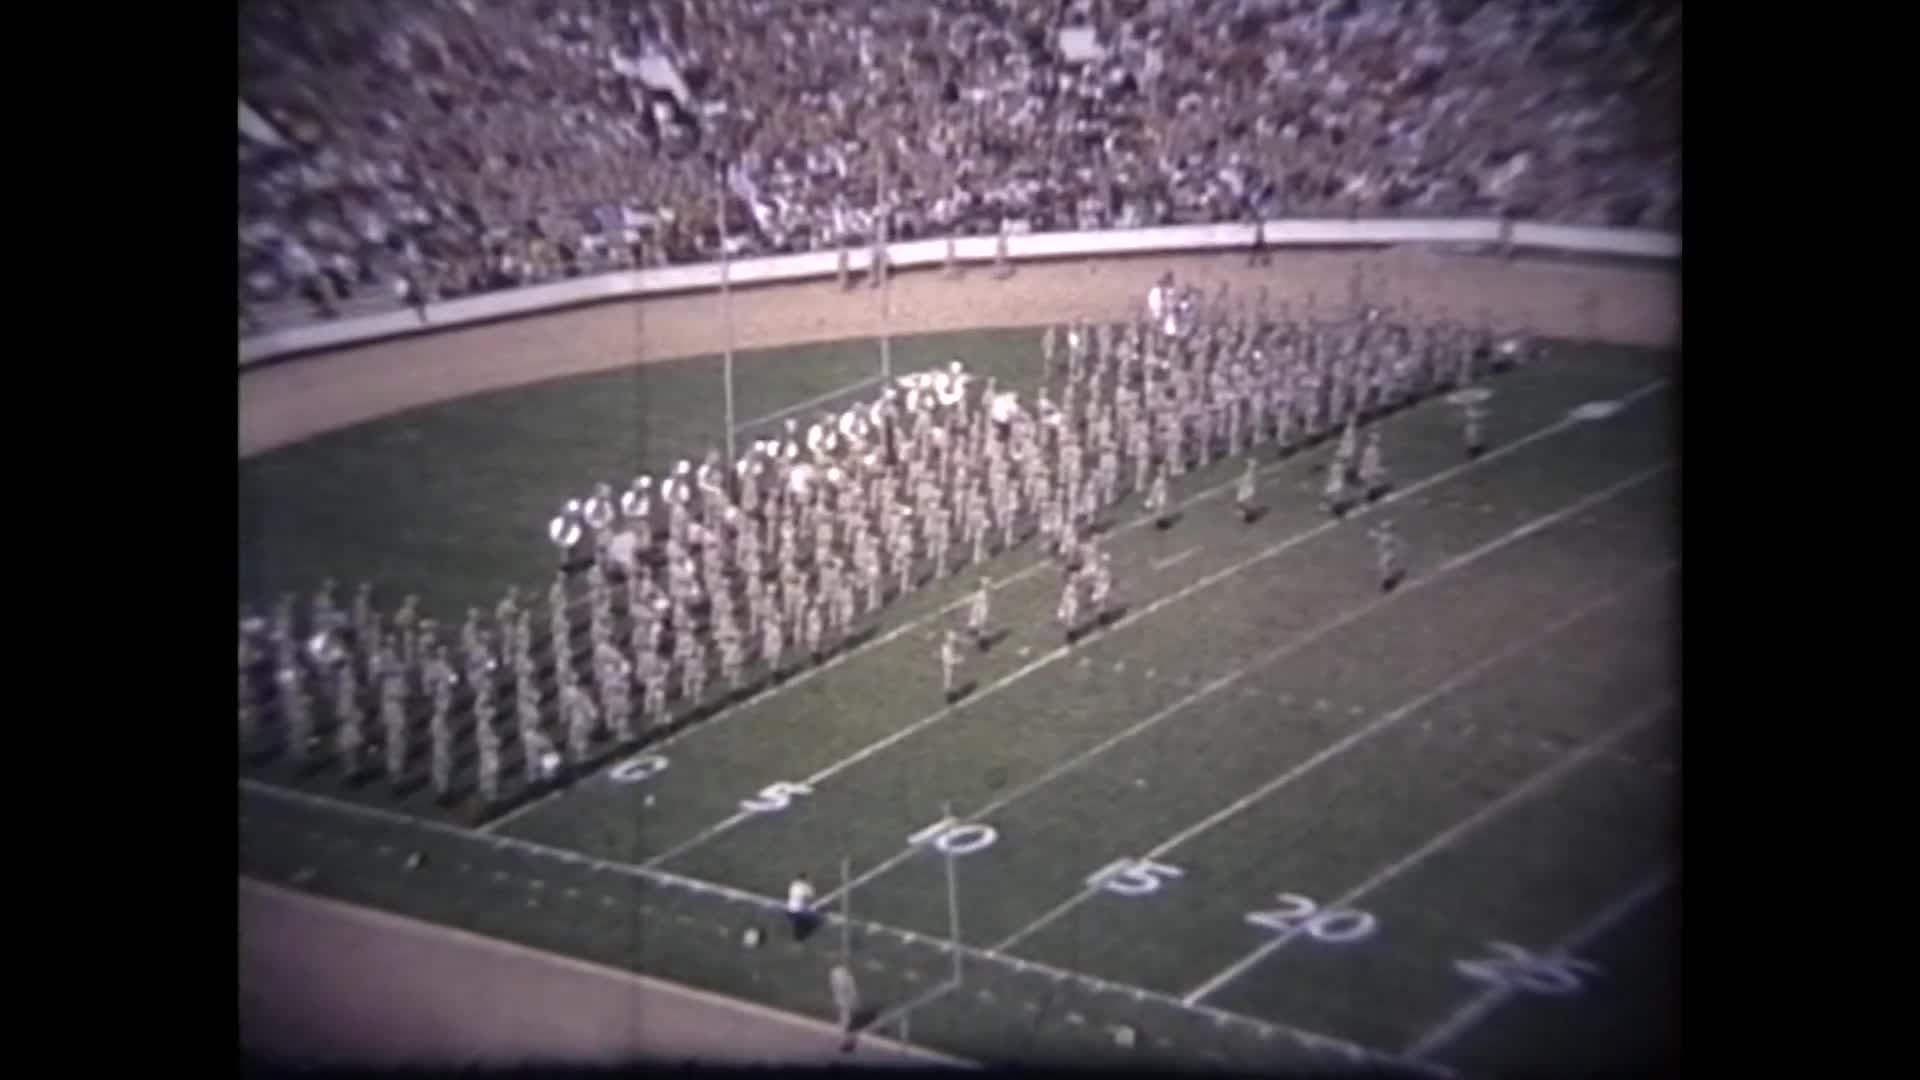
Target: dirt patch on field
(294, 400)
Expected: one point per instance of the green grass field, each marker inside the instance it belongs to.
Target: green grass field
(1481, 764)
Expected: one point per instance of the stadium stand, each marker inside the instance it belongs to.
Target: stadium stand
(443, 148)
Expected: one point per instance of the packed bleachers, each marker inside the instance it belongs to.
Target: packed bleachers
(443, 147)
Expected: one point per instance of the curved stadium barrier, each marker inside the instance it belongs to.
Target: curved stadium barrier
(1025, 247)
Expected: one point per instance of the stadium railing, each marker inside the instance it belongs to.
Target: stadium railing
(353, 330)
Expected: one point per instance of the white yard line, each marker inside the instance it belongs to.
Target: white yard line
(800, 678)
(1262, 660)
(1385, 721)
(904, 1012)
(803, 406)
(1479, 1007)
(1439, 843)
(1309, 1040)
(1176, 558)
(520, 811)
(735, 821)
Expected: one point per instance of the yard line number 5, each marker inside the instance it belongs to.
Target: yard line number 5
(774, 797)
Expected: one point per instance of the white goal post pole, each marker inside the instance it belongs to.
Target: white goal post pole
(846, 911)
(953, 899)
(880, 266)
(726, 318)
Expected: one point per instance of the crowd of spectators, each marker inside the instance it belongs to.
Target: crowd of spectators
(432, 148)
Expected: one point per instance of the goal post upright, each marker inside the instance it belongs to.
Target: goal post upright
(881, 263)
(726, 318)
(846, 910)
(953, 913)
(953, 899)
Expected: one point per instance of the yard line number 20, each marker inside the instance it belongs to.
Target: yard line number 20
(1299, 914)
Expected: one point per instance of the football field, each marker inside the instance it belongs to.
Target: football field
(1269, 815)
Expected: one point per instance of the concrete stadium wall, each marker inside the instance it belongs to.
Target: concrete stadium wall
(1633, 303)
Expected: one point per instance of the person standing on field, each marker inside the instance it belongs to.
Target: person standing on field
(800, 911)
(978, 613)
(813, 628)
(1069, 610)
(1100, 583)
(1244, 491)
(393, 718)
(442, 763)
(846, 1002)
(1373, 471)
(1387, 548)
(1344, 452)
(1157, 499)
(405, 625)
(297, 708)
(487, 740)
(350, 734)
(581, 717)
(732, 655)
(1472, 432)
(1335, 495)
(653, 675)
(690, 655)
(950, 659)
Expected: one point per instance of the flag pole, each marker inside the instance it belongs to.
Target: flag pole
(953, 898)
(846, 911)
(726, 317)
(882, 268)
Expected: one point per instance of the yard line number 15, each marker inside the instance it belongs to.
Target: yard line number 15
(1298, 914)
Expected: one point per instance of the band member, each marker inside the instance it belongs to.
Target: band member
(1373, 472)
(950, 660)
(978, 613)
(1387, 550)
(1157, 500)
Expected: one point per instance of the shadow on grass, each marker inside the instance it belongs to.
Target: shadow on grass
(409, 786)
(362, 779)
(858, 638)
(1252, 515)
(994, 637)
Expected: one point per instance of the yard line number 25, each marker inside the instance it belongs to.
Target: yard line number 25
(1511, 967)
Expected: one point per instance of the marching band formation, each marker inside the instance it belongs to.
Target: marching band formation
(739, 570)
